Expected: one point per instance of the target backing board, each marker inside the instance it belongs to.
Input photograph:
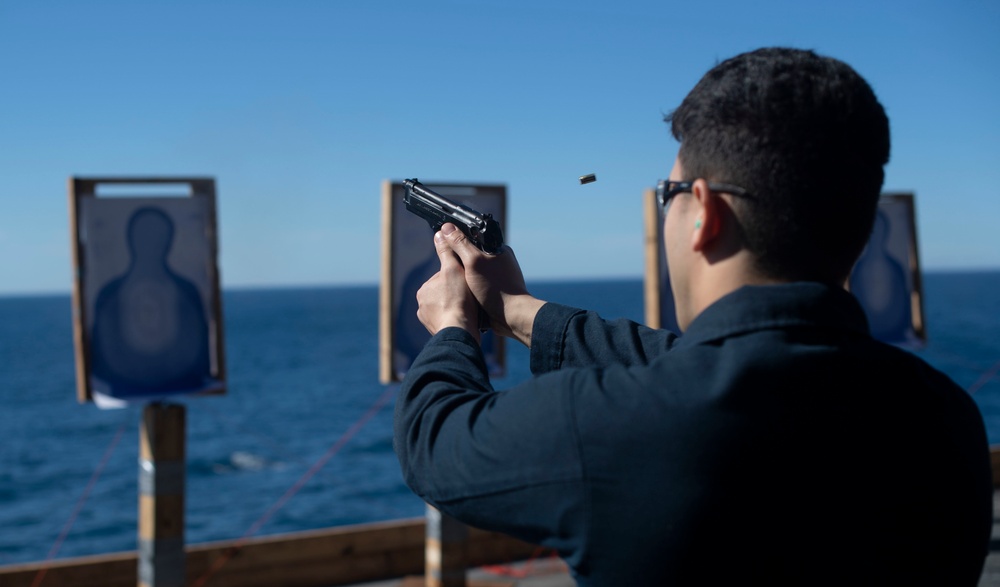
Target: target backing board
(886, 280)
(409, 259)
(147, 315)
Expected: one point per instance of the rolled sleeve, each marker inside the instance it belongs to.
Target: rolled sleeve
(565, 337)
(548, 333)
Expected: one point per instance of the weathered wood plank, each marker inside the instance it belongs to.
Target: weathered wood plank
(328, 557)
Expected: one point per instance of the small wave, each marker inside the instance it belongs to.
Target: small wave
(248, 461)
(245, 461)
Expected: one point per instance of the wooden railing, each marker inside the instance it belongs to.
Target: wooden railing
(329, 557)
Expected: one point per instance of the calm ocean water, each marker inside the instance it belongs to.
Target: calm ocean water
(303, 368)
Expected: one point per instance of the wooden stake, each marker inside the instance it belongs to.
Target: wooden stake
(445, 562)
(653, 228)
(161, 496)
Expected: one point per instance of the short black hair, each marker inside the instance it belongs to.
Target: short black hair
(806, 136)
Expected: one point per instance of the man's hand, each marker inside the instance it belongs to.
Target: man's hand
(445, 299)
(496, 283)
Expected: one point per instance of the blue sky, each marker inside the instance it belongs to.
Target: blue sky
(300, 109)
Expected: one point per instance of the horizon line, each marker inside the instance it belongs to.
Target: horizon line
(363, 284)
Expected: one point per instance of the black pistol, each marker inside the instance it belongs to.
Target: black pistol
(481, 229)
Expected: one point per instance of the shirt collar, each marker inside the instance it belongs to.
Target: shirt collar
(762, 307)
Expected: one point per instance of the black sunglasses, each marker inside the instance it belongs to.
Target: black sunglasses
(667, 189)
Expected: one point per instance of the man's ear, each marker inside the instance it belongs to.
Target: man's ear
(707, 213)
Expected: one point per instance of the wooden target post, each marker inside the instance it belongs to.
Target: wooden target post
(161, 496)
(408, 260)
(445, 550)
(147, 325)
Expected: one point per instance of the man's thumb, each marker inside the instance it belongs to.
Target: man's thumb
(444, 241)
(453, 238)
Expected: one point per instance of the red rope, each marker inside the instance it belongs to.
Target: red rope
(79, 505)
(333, 450)
(528, 569)
(985, 378)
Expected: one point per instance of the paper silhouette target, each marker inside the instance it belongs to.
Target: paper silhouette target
(408, 260)
(148, 311)
(886, 280)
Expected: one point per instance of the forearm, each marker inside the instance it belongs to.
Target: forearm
(450, 371)
(460, 442)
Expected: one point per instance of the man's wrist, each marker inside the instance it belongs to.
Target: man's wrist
(520, 312)
(462, 322)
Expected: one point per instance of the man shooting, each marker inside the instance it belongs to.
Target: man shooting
(774, 442)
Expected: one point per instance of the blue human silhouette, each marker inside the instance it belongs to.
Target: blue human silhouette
(880, 284)
(150, 335)
(411, 336)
